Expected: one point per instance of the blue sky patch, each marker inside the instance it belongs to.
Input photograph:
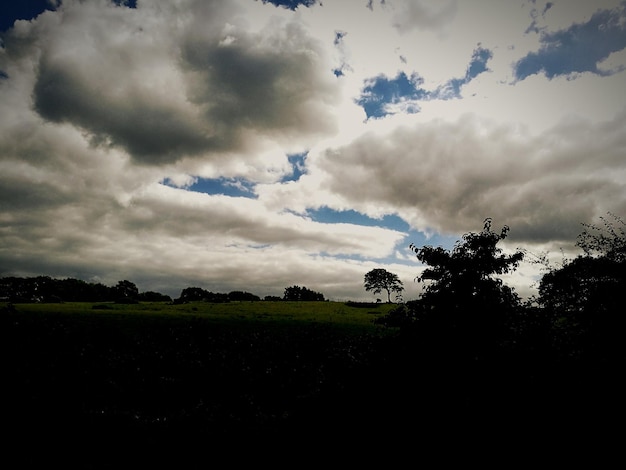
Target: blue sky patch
(452, 88)
(478, 64)
(297, 161)
(338, 41)
(402, 253)
(327, 215)
(10, 10)
(23, 10)
(291, 4)
(379, 92)
(390, 221)
(578, 48)
(235, 187)
(126, 3)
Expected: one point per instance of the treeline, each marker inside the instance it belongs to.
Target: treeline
(293, 293)
(46, 289)
(49, 290)
(578, 313)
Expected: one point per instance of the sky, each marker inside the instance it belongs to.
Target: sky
(256, 145)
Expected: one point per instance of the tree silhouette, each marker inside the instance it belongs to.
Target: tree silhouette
(126, 292)
(464, 277)
(463, 304)
(584, 296)
(380, 279)
(608, 242)
(297, 293)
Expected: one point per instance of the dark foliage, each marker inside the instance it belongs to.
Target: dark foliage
(297, 293)
(242, 296)
(197, 294)
(585, 297)
(463, 305)
(47, 289)
(272, 298)
(151, 296)
(126, 292)
(557, 361)
(465, 277)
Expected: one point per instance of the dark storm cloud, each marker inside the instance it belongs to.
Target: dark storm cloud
(271, 84)
(578, 48)
(150, 131)
(101, 68)
(25, 195)
(165, 90)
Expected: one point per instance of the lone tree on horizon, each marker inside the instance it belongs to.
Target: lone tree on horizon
(380, 279)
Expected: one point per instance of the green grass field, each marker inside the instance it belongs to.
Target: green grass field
(350, 316)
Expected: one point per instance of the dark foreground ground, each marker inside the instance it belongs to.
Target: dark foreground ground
(187, 393)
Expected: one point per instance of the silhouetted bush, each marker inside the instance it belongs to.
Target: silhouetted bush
(238, 295)
(584, 297)
(151, 296)
(297, 293)
(272, 298)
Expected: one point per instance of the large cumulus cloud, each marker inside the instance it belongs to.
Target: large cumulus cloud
(451, 175)
(163, 83)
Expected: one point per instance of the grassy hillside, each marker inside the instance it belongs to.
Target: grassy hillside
(348, 316)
